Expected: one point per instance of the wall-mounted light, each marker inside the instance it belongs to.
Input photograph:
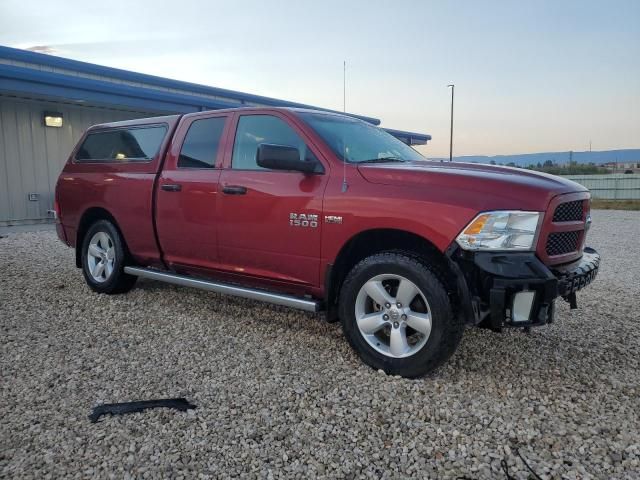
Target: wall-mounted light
(53, 119)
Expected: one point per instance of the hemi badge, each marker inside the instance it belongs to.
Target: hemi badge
(332, 219)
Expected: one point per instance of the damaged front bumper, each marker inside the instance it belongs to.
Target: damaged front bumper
(499, 289)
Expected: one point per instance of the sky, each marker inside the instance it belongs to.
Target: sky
(530, 76)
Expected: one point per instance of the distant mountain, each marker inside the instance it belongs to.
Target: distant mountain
(525, 159)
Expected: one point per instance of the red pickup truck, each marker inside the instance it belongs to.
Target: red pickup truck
(325, 212)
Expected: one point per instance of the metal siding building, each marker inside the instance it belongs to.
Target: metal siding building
(32, 155)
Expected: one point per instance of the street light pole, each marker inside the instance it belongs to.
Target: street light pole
(453, 87)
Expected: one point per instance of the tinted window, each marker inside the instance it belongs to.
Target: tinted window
(200, 147)
(122, 144)
(256, 129)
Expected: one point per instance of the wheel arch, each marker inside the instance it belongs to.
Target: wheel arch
(370, 242)
(89, 217)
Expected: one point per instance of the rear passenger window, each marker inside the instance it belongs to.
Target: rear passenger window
(122, 144)
(200, 147)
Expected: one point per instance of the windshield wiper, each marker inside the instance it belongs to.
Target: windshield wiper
(382, 160)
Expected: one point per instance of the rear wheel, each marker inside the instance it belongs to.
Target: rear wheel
(396, 314)
(103, 259)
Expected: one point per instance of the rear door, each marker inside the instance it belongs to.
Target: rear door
(270, 221)
(187, 193)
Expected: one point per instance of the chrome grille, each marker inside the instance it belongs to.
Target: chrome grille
(560, 243)
(569, 211)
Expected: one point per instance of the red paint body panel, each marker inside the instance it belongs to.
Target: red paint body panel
(248, 238)
(549, 227)
(186, 221)
(254, 234)
(368, 207)
(127, 196)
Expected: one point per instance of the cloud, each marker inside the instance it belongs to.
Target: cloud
(42, 49)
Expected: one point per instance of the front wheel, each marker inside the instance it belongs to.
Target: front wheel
(103, 259)
(397, 316)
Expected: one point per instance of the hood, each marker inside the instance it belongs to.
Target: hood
(486, 186)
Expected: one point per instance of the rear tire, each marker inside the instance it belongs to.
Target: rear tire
(397, 316)
(103, 259)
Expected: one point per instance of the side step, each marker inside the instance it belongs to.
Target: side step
(253, 294)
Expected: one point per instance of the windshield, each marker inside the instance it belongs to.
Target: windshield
(357, 142)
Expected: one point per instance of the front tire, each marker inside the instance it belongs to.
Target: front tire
(397, 316)
(103, 259)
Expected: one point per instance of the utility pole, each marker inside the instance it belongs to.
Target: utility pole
(453, 87)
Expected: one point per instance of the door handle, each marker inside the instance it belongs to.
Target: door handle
(171, 187)
(234, 190)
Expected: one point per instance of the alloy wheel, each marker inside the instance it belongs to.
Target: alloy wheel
(393, 315)
(101, 257)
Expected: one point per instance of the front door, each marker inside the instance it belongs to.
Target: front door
(269, 222)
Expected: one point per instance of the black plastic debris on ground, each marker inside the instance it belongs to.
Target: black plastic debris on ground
(132, 407)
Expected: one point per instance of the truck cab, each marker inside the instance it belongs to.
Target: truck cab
(325, 212)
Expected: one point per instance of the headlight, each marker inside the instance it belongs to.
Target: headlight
(501, 230)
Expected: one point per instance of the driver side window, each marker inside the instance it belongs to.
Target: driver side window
(254, 130)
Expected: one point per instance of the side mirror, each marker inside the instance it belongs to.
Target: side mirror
(283, 157)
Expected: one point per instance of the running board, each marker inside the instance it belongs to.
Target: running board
(250, 293)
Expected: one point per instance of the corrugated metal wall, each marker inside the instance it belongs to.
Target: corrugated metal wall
(32, 155)
(616, 186)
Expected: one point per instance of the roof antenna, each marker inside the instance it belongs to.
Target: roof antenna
(344, 143)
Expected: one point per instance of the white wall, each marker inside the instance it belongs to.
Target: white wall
(616, 186)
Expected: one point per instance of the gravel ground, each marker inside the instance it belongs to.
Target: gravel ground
(280, 393)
